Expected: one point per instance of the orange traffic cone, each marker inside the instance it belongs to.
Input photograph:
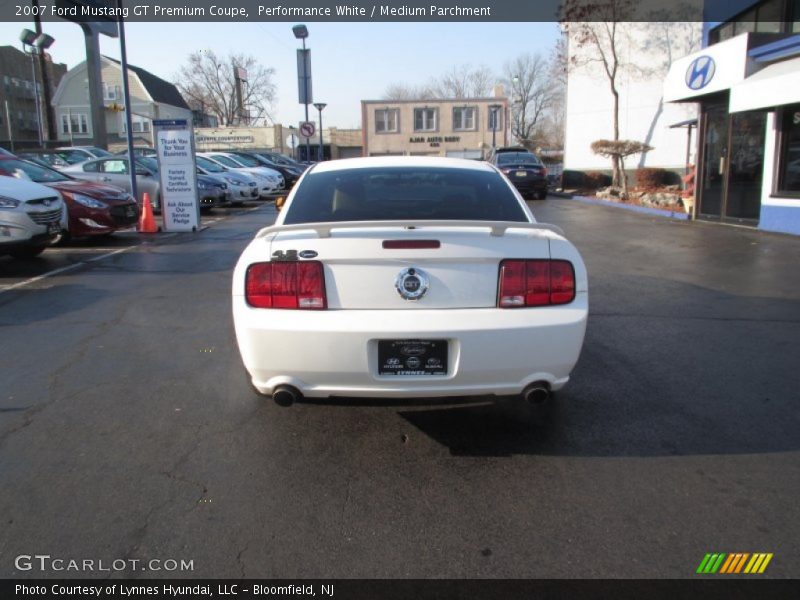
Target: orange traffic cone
(147, 223)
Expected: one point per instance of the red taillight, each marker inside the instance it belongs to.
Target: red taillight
(535, 283)
(286, 285)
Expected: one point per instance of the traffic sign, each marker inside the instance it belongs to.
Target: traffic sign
(292, 141)
(307, 129)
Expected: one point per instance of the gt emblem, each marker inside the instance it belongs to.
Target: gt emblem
(411, 283)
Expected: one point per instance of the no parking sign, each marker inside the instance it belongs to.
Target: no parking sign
(307, 129)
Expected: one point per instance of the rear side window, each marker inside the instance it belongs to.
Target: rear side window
(73, 156)
(397, 193)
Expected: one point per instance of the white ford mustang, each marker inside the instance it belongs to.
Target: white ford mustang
(408, 277)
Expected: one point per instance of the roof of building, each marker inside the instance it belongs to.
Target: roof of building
(160, 90)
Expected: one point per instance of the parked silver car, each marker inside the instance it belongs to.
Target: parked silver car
(114, 171)
(30, 217)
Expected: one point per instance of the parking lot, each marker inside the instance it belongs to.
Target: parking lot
(128, 428)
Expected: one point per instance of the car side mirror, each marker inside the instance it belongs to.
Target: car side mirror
(279, 202)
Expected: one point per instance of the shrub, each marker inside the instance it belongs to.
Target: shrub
(595, 179)
(650, 177)
(572, 179)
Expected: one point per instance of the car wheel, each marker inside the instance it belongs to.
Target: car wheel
(30, 252)
(541, 195)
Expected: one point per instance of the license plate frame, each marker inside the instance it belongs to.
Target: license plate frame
(413, 357)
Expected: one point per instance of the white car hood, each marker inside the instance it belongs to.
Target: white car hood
(20, 189)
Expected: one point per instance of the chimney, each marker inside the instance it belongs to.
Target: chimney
(498, 91)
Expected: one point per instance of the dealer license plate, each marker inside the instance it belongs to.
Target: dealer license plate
(412, 357)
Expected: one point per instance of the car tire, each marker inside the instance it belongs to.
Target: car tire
(541, 195)
(29, 252)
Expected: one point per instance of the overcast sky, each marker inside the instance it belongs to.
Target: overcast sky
(350, 61)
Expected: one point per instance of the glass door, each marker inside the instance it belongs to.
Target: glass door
(715, 149)
(745, 166)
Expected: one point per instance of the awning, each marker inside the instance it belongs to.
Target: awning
(775, 85)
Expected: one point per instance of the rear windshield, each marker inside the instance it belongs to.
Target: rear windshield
(399, 193)
(517, 158)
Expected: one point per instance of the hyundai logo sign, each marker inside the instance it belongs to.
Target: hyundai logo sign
(700, 72)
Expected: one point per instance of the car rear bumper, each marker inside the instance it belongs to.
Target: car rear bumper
(530, 184)
(334, 352)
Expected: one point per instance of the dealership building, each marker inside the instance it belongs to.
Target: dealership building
(746, 82)
(461, 128)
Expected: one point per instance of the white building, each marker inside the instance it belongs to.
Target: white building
(151, 98)
(645, 52)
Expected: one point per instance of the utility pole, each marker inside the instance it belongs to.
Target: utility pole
(50, 120)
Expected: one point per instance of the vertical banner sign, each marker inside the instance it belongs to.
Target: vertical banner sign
(178, 171)
(304, 76)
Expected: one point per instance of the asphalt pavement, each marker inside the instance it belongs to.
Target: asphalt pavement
(128, 429)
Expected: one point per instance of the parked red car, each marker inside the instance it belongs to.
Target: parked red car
(93, 208)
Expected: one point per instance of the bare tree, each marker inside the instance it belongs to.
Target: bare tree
(207, 82)
(404, 91)
(528, 81)
(600, 43)
(459, 82)
(554, 123)
(464, 82)
(664, 41)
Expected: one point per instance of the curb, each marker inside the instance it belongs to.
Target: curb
(657, 212)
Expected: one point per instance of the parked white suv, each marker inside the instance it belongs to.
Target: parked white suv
(30, 217)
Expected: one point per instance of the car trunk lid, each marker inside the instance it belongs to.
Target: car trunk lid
(374, 268)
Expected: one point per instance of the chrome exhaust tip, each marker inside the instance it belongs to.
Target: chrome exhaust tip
(286, 395)
(536, 393)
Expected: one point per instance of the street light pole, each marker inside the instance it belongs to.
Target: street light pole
(126, 96)
(36, 96)
(294, 145)
(494, 108)
(37, 43)
(47, 106)
(301, 33)
(305, 83)
(319, 106)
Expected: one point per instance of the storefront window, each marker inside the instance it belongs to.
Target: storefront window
(796, 17)
(770, 16)
(789, 179)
